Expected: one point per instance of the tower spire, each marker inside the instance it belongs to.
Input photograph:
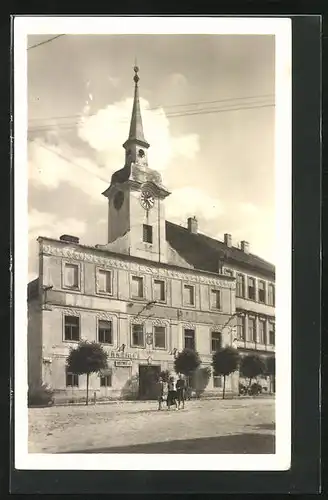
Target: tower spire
(136, 133)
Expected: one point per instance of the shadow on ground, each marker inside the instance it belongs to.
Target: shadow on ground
(234, 444)
(266, 427)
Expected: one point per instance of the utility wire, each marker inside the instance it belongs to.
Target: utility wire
(44, 41)
(68, 126)
(169, 106)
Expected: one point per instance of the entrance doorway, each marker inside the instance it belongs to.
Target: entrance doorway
(148, 377)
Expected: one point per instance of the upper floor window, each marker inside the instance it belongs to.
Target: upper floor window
(105, 332)
(104, 281)
(251, 288)
(241, 328)
(189, 295)
(71, 276)
(137, 286)
(159, 337)
(216, 341)
(189, 339)
(72, 379)
(216, 299)
(271, 295)
(252, 329)
(147, 233)
(240, 285)
(138, 339)
(262, 291)
(262, 331)
(72, 328)
(159, 290)
(272, 334)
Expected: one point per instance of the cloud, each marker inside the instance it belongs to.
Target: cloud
(189, 201)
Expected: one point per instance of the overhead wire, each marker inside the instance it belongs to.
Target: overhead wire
(44, 42)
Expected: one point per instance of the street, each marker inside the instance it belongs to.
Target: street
(204, 426)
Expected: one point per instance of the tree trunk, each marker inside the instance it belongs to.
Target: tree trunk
(224, 382)
(249, 386)
(87, 400)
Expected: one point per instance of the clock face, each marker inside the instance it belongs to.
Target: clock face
(118, 200)
(147, 199)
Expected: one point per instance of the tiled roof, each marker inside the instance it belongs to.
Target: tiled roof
(205, 253)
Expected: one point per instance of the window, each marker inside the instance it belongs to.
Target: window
(104, 281)
(72, 328)
(147, 233)
(252, 329)
(251, 288)
(72, 379)
(241, 328)
(271, 295)
(217, 381)
(272, 334)
(137, 286)
(71, 276)
(215, 299)
(189, 295)
(159, 290)
(262, 292)
(262, 331)
(160, 342)
(189, 339)
(105, 332)
(138, 336)
(106, 381)
(240, 285)
(216, 341)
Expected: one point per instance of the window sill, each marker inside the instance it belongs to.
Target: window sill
(72, 289)
(71, 341)
(110, 344)
(106, 294)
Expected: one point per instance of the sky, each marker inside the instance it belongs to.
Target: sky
(207, 103)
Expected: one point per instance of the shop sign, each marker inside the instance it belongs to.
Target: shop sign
(123, 363)
(123, 355)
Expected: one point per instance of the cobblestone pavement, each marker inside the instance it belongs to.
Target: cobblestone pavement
(204, 426)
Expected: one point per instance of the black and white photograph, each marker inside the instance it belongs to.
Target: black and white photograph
(153, 215)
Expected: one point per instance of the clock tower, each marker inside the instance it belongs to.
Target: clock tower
(136, 197)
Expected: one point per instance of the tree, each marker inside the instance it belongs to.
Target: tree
(224, 362)
(200, 379)
(88, 357)
(186, 362)
(271, 370)
(252, 366)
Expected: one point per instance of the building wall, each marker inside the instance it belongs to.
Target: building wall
(34, 343)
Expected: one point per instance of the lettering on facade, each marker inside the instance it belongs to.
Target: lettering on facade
(125, 355)
(123, 363)
(134, 267)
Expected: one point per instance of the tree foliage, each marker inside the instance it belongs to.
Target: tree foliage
(224, 362)
(200, 379)
(165, 374)
(186, 362)
(88, 357)
(252, 366)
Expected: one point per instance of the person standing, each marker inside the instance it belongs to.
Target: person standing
(172, 393)
(160, 392)
(181, 391)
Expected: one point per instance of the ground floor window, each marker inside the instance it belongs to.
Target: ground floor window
(217, 381)
(106, 381)
(72, 379)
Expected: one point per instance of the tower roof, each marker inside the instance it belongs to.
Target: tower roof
(136, 132)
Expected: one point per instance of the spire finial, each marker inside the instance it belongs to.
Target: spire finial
(136, 70)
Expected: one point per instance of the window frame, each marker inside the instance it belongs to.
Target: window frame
(273, 326)
(165, 290)
(249, 278)
(112, 331)
(77, 264)
(242, 283)
(184, 337)
(260, 290)
(191, 286)
(98, 271)
(138, 277)
(217, 378)
(102, 377)
(165, 337)
(254, 330)
(140, 346)
(262, 321)
(147, 230)
(74, 376)
(243, 337)
(272, 286)
(211, 340)
(67, 315)
(215, 308)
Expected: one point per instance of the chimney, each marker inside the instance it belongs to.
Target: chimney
(245, 246)
(69, 238)
(192, 225)
(228, 240)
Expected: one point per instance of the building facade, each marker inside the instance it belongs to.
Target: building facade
(152, 290)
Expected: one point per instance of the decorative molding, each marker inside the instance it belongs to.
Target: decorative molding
(70, 312)
(160, 322)
(104, 315)
(137, 320)
(189, 326)
(75, 255)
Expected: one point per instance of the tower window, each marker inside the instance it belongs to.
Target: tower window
(147, 233)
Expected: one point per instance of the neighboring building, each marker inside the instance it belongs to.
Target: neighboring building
(152, 290)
